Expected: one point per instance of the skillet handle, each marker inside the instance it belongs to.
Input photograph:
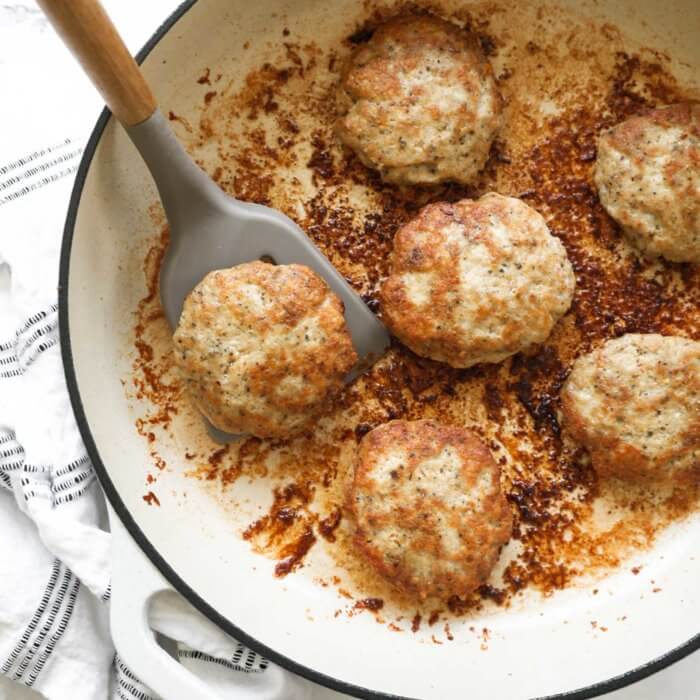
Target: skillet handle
(135, 582)
(89, 33)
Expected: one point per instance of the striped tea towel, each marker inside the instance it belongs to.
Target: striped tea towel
(55, 561)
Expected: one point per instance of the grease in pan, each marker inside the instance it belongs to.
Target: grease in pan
(555, 108)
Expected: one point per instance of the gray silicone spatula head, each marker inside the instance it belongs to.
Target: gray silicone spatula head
(208, 229)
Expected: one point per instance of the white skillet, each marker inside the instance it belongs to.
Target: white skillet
(539, 649)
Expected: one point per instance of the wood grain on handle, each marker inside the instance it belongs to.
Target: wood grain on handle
(89, 33)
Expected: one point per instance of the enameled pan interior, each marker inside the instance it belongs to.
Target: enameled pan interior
(537, 648)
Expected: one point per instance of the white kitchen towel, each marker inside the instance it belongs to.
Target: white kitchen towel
(55, 565)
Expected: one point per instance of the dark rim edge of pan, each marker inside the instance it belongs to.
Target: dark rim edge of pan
(138, 535)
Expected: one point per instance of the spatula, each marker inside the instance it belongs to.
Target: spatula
(208, 229)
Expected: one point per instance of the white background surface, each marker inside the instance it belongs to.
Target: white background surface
(39, 106)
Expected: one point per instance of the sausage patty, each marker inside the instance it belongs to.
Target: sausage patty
(476, 281)
(263, 348)
(648, 178)
(428, 507)
(634, 403)
(418, 102)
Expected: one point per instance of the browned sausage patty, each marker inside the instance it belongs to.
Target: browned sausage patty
(428, 507)
(263, 348)
(419, 103)
(634, 402)
(476, 281)
(648, 179)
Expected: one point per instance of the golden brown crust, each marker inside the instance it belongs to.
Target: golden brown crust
(430, 515)
(419, 103)
(629, 136)
(495, 281)
(648, 178)
(263, 348)
(634, 403)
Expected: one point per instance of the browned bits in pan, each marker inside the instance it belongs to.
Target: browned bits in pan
(273, 135)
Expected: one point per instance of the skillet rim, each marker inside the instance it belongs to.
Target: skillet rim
(594, 690)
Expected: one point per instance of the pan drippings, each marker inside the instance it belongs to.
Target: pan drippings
(274, 145)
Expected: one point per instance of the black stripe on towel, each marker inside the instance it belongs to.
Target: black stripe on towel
(36, 481)
(39, 184)
(12, 370)
(6, 435)
(38, 643)
(56, 636)
(75, 493)
(10, 452)
(70, 467)
(37, 348)
(38, 614)
(128, 686)
(65, 484)
(131, 692)
(36, 469)
(26, 338)
(72, 480)
(35, 170)
(201, 656)
(7, 467)
(240, 650)
(25, 160)
(39, 333)
(36, 318)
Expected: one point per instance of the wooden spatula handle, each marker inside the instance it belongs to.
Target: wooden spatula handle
(89, 33)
